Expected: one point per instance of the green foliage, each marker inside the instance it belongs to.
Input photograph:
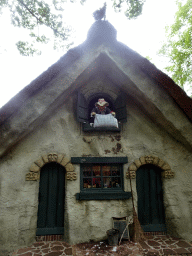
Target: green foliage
(178, 47)
(149, 58)
(36, 15)
(27, 49)
(33, 15)
(134, 7)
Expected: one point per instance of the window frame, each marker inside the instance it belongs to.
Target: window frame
(102, 189)
(97, 193)
(119, 106)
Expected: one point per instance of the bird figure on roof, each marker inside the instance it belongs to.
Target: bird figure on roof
(101, 13)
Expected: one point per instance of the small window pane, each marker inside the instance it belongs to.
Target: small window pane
(106, 170)
(115, 171)
(96, 182)
(107, 182)
(116, 182)
(87, 183)
(87, 172)
(96, 170)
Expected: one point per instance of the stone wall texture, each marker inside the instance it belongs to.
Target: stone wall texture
(45, 126)
(61, 134)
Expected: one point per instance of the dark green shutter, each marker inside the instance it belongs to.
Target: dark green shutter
(60, 197)
(43, 202)
(82, 108)
(51, 200)
(150, 198)
(120, 108)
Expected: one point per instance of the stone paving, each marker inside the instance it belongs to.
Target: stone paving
(165, 245)
(153, 245)
(55, 248)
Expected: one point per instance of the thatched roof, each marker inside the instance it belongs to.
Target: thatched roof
(102, 51)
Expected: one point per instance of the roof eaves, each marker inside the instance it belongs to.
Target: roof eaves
(36, 85)
(174, 90)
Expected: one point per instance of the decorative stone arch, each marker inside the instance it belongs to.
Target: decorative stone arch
(150, 159)
(34, 173)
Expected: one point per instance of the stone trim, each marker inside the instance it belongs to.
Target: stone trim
(34, 173)
(150, 159)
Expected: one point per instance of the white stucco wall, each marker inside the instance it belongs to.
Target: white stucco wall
(89, 220)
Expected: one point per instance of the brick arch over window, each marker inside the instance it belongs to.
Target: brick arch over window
(150, 159)
(34, 173)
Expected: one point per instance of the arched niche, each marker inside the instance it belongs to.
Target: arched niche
(85, 106)
(166, 173)
(34, 173)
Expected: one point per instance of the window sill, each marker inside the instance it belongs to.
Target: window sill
(88, 128)
(110, 195)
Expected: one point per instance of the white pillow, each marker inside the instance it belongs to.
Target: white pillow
(105, 121)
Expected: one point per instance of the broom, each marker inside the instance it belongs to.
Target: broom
(138, 233)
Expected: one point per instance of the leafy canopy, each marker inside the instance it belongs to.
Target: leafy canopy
(178, 47)
(133, 7)
(33, 14)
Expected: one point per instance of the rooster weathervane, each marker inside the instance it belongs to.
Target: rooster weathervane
(101, 13)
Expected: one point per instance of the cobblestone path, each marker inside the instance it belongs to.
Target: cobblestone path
(153, 245)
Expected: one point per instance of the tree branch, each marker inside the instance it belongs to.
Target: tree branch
(21, 2)
(38, 20)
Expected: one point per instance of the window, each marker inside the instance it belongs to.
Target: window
(85, 106)
(101, 178)
(94, 99)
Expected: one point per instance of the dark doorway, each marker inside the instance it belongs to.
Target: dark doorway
(51, 200)
(150, 198)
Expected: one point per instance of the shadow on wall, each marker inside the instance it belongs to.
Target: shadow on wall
(171, 227)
